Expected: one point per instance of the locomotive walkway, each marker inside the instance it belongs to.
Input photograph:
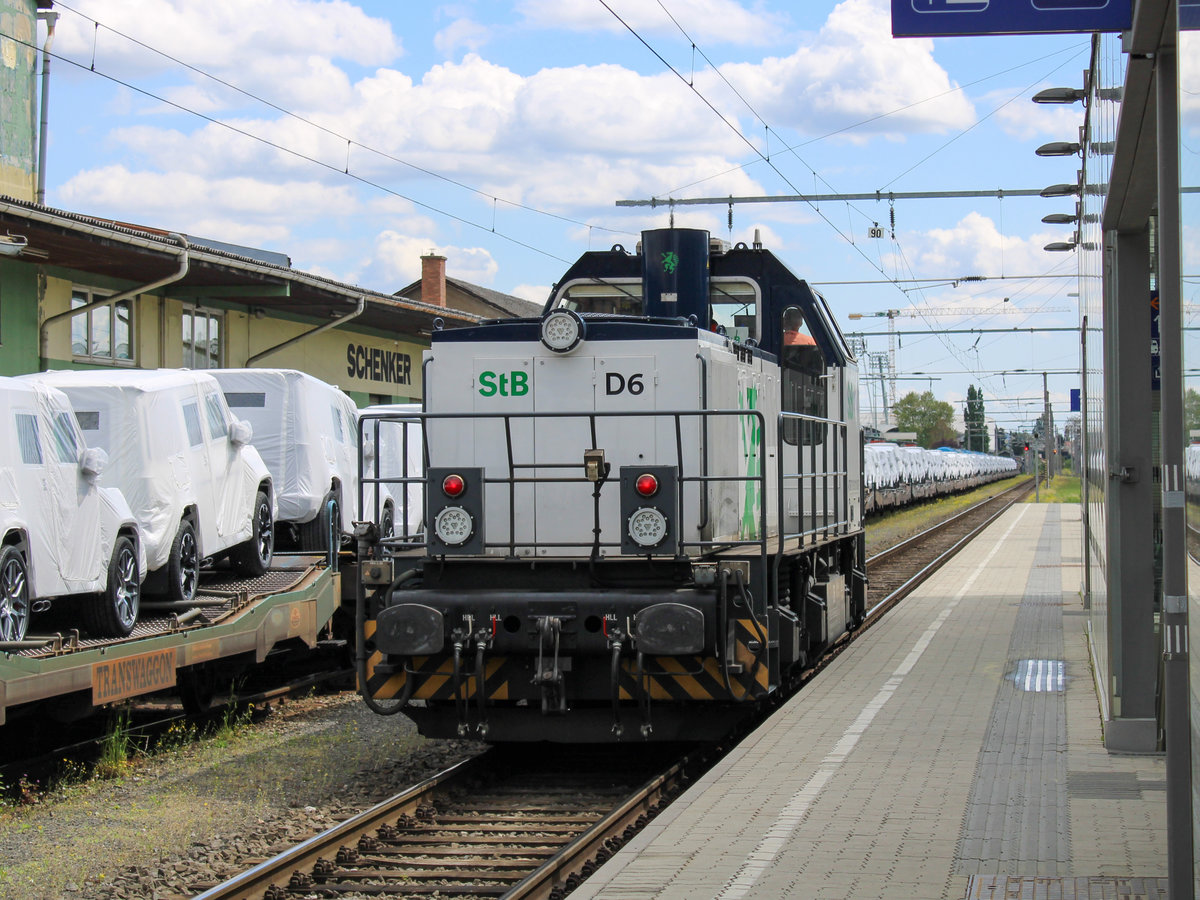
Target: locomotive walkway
(953, 751)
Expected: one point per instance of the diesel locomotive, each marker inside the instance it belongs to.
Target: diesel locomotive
(642, 511)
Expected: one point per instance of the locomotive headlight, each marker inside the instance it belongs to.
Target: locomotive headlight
(453, 526)
(563, 330)
(647, 527)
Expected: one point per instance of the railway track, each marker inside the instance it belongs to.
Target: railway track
(897, 571)
(533, 827)
(517, 824)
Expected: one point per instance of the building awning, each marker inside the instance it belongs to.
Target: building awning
(140, 255)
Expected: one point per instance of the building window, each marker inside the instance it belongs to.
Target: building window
(104, 333)
(203, 339)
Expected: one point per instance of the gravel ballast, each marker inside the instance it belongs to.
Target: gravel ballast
(197, 815)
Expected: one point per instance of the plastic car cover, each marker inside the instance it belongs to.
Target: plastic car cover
(166, 432)
(71, 523)
(304, 429)
(400, 454)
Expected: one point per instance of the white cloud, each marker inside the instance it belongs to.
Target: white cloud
(716, 21)
(461, 33)
(852, 72)
(232, 209)
(534, 293)
(396, 260)
(265, 47)
(1025, 120)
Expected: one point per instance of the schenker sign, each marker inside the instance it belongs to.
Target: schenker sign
(379, 365)
(946, 18)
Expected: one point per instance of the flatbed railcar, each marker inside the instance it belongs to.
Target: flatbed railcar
(643, 509)
(233, 624)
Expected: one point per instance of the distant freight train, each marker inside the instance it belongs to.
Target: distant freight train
(643, 509)
(897, 475)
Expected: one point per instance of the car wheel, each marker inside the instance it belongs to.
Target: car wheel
(115, 611)
(253, 558)
(14, 595)
(324, 530)
(387, 523)
(183, 565)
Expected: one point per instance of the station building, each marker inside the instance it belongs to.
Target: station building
(1131, 216)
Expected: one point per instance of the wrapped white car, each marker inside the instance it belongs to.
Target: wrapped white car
(393, 451)
(305, 431)
(198, 488)
(63, 534)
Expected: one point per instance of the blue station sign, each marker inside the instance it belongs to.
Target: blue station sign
(948, 18)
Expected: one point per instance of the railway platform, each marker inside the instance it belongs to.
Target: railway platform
(953, 751)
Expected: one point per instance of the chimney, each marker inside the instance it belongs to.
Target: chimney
(433, 279)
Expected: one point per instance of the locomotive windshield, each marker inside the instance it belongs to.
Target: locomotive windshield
(734, 305)
(623, 298)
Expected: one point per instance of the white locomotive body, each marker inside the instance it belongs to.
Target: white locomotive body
(643, 510)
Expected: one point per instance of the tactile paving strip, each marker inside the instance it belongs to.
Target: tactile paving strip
(1044, 887)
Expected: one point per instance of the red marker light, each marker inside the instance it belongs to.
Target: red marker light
(646, 485)
(453, 485)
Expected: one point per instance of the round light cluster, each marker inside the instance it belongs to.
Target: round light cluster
(647, 527)
(453, 526)
(562, 330)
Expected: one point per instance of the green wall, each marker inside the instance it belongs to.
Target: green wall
(18, 318)
(18, 114)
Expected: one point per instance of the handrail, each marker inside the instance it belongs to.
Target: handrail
(371, 479)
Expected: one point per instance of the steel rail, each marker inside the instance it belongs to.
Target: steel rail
(1002, 501)
(254, 882)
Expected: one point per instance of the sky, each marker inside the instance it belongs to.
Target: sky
(356, 137)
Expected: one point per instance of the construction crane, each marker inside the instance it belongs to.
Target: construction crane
(889, 392)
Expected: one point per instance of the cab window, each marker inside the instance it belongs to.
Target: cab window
(611, 297)
(734, 307)
(803, 368)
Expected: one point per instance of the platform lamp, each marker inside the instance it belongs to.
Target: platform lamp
(1059, 95)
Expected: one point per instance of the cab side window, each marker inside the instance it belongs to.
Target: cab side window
(803, 368)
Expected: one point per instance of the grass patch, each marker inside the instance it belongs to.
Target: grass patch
(1060, 489)
(116, 748)
(892, 526)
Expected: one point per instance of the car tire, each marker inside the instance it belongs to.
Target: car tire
(114, 612)
(14, 594)
(324, 530)
(253, 557)
(387, 522)
(183, 565)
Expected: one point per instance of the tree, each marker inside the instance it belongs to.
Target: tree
(931, 419)
(1191, 413)
(975, 435)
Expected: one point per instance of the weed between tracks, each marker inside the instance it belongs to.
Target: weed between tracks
(122, 750)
